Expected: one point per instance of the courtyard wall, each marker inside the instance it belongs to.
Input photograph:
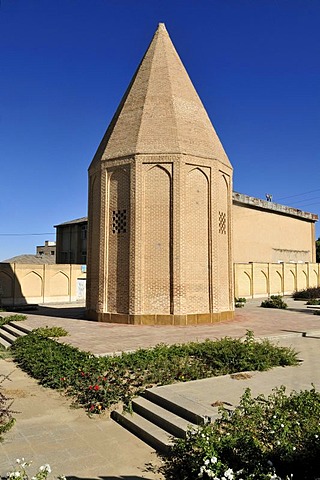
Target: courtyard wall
(254, 280)
(34, 283)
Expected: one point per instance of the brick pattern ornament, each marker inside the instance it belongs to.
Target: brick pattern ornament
(160, 193)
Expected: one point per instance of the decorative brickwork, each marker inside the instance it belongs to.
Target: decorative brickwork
(118, 253)
(156, 240)
(222, 223)
(159, 251)
(196, 239)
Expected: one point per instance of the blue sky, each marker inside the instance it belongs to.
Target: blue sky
(65, 65)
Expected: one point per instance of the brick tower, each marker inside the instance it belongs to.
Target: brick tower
(160, 193)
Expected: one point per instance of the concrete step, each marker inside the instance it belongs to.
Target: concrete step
(161, 417)
(20, 326)
(4, 343)
(8, 337)
(147, 431)
(13, 330)
(10, 332)
(183, 407)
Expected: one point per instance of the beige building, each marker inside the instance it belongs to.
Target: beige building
(48, 249)
(72, 241)
(160, 201)
(268, 232)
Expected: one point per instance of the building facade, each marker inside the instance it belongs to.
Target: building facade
(160, 204)
(71, 243)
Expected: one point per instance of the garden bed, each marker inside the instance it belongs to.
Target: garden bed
(98, 383)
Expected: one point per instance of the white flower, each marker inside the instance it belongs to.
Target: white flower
(316, 436)
(278, 443)
(45, 468)
(282, 425)
(207, 462)
(294, 448)
(14, 474)
(229, 474)
(214, 460)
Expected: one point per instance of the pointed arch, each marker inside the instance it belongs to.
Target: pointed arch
(32, 285)
(118, 234)
(157, 263)
(59, 284)
(196, 233)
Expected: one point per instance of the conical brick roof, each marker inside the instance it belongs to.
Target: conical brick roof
(161, 112)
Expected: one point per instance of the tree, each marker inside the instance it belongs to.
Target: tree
(318, 250)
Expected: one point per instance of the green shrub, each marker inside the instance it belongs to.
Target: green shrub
(99, 382)
(316, 312)
(313, 292)
(239, 302)
(313, 301)
(275, 301)
(48, 332)
(276, 435)
(11, 318)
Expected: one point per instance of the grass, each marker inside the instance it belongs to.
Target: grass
(12, 318)
(98, 383)
(50, 332)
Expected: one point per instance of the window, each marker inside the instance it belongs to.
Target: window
(84, 232)
(119, 221)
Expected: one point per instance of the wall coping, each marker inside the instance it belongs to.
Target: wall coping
(259, 204)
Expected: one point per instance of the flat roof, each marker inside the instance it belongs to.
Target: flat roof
(252, 202)
(72, 222)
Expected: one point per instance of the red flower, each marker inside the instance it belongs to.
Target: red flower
(90, 387)
(96, 387)
(82, 374)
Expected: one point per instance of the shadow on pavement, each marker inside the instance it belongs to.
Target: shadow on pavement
(62, 312)
(303, 334)
(300, 310)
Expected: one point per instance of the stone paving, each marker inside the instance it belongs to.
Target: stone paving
(49, 431)
(104, 338)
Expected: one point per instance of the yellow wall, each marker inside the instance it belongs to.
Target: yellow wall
(271, 237)
(21, 283)
(24, 283)
(263, 279)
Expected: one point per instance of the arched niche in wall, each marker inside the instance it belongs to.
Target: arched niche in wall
(32, 285)
(196, 223)
(118, 249)
(59, 284)
(157, 234)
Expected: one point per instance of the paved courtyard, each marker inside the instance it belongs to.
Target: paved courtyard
(49, 431)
